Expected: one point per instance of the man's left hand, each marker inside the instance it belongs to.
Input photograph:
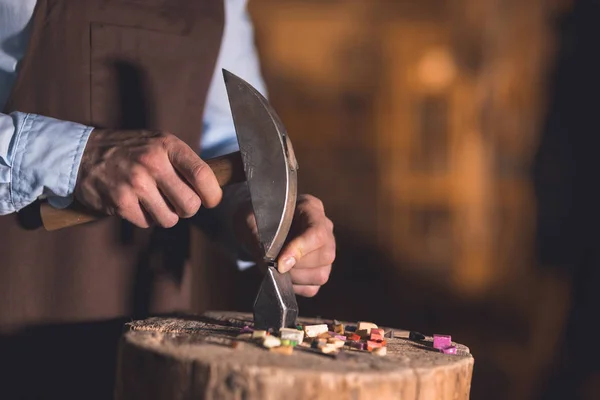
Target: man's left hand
(309, 253)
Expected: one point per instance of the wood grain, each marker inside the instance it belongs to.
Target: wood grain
(228, 169)
(170, 358)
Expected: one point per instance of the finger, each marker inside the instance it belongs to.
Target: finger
(197, 173)
(128, 207)
(323, 256)
(155, 205)
(306, 290)
(314, 276)
(313, 238)
(182, 198)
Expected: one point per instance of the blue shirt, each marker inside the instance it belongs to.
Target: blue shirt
(40, 156)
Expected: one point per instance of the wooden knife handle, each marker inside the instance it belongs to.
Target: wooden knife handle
(228, 169)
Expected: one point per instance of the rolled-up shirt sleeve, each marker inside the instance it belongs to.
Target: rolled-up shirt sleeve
(39, 157)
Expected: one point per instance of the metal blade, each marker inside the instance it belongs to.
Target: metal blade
(269, 163)
(275, 306)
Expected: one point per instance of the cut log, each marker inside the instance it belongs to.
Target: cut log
(193, 358)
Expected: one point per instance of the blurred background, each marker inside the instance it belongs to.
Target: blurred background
(453, 143)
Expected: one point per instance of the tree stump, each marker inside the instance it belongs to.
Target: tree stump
(193, 358)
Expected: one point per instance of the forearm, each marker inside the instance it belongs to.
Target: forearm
(39, 156)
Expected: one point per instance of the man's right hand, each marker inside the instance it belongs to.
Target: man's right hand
(145, 177)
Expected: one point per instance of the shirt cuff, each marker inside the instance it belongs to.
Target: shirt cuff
(47, 154)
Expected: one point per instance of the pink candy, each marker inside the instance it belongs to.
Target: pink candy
(441, 341)
(341, 337)
(449, 350)
(246, 329)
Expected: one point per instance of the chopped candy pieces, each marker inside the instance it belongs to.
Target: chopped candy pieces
(286, 350)
(441, 341)
(292, 334)
(271, 341)
(259, 334)
(416, 336)
(366, 326)
(315, 330)
(449, 350)
(380, 351)
(336, 338)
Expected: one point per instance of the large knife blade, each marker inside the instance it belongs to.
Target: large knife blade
(271, 173)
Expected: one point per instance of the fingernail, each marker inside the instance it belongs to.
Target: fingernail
(287, 264)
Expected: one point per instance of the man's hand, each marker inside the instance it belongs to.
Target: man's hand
(309, 253)
(145, 177)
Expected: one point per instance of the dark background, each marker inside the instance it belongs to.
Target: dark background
(454, 144)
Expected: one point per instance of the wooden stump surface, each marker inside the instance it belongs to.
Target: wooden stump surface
(192, 358)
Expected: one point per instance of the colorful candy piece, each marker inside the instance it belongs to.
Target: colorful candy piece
(299, 327)
(340, 337)
(376, 334)
(380, 351)
(338, 328)
(286, 350)
(350, 328)
(366, 326)
(259, 334)
(358, 345)
(246, 329)
(441, 341)
(291, 334)
(363, 333)
(373, 345)
(271, 341)
(449, 350)
(324, 335)
(354, 337)
(315, 330)
(416, 336)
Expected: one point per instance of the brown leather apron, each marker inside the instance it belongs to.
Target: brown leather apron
(64, 295)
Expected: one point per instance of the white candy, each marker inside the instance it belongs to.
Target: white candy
(291, 334)
(271, 341)
(315, 330)
(366, 326)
